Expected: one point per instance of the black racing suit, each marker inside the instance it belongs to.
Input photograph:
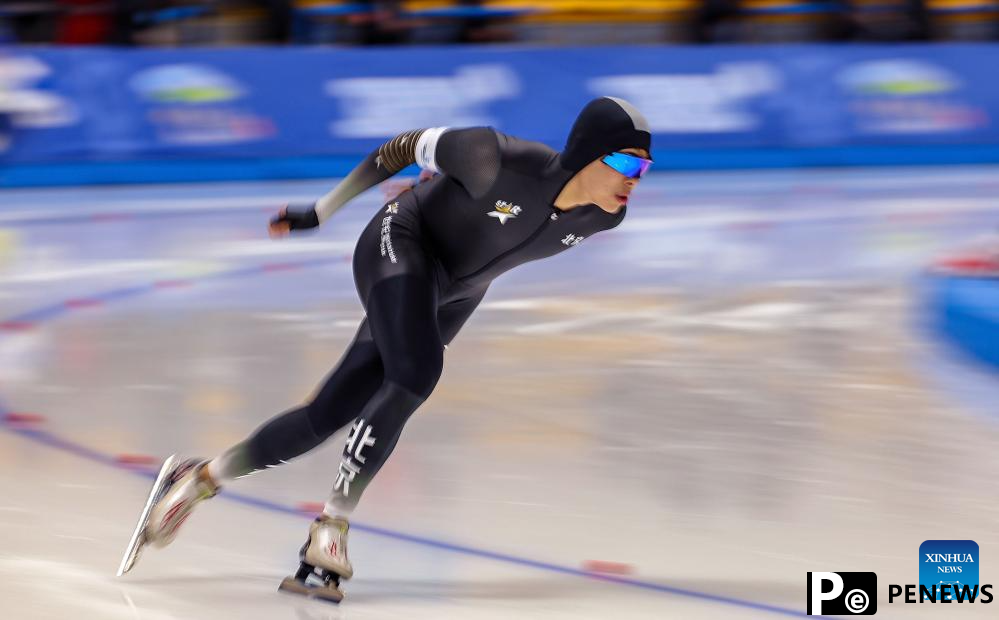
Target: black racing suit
(421, 266)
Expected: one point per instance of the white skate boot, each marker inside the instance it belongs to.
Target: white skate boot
(324, 556)
(179, 487)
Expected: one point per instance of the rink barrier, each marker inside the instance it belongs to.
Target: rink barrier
(964, 311)
(105, 115)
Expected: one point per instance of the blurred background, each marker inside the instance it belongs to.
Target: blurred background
(784, 359)
(546, 22)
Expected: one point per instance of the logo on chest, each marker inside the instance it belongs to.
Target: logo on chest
(572, 239)
(504, 211)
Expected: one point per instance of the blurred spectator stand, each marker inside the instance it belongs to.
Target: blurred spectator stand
(963, 20)
(787, 21)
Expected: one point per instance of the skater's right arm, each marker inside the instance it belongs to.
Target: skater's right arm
(364, 176)
(378, 166)
(470, 156)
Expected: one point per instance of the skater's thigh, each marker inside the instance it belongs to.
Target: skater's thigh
(402, 311)
(396, 281)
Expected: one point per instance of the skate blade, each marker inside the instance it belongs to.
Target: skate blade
(138, 540)
(326, 593)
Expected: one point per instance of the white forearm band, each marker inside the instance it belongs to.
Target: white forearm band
(426, 148)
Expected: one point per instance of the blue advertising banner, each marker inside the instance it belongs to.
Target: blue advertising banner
(712, 106)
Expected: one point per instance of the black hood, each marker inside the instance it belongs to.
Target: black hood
(605, 125)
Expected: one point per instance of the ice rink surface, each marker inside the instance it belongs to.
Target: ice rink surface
(731, 389)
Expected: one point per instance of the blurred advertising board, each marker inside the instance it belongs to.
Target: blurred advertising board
(710, 106)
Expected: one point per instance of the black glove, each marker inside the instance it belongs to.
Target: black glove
(298, 217)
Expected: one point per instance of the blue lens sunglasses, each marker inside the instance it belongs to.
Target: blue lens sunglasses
(630, 166)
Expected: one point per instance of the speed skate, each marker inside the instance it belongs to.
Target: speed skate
(324, 561)
(313, 582)
(138, 541)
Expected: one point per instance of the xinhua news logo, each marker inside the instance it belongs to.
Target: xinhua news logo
(842, 594)
(948, 562)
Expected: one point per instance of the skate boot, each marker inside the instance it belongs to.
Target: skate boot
(323, 557)
(179, 487)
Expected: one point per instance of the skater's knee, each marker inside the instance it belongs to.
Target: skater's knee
(417, 374)
(322, 419)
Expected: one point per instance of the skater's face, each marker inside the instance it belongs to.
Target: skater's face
(605, 186)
